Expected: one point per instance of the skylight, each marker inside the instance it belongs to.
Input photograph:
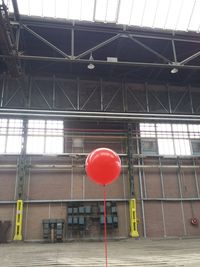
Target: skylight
(161, 14)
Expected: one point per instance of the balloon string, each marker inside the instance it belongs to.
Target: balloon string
(105, 228)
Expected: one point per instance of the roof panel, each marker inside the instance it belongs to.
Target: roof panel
(138, 12)
(87, 10)
(100, 11)
(161, 14)
(173, 14)
(111, 12)
(150, 13)
(185, 15)
(75, 9)
(62, 8)
(49, 8)
(35, 8)
(23, 7)
(195, 18)
(125, 11)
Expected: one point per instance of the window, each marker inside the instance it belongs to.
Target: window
(172, 139)
(165, 141)
(10, 136)
(181, 141)
(45, 137)
(148, 143)
(147, 130)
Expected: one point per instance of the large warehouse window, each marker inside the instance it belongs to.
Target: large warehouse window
(10, 136)
(170, 139)
(45, 137)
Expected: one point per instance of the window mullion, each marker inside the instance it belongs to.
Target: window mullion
(172, 131)
(6, 136)
(189, 140)
(156, 136)
(45, 136)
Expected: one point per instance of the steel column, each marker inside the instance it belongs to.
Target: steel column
(130, 160)
(141, 184)
(2, 92)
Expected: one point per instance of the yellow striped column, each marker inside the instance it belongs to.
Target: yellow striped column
(133, 218)
(18, 221)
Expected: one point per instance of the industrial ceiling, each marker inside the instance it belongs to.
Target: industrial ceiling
(118, 46)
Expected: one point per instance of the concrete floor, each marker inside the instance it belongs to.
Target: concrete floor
(183, 252)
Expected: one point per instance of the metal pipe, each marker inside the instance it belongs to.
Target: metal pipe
(63, 166)
(190, 58)
(98, 199)
(174, 51)
(161, 178)
(179, 179)
(141, 189)
(196, 177)
(100, 115)
(72, 178)
(17, 41)
(16, 10)
(72, 42)
(103, 62)
(163, 217)
(183, 217)
(3, 91)
(74, 154)
(164, 156)
(172, 199)
(168, 166)
(142, 202)
(7, 202)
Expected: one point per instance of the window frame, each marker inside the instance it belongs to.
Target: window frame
(181, 135)
(45, 136)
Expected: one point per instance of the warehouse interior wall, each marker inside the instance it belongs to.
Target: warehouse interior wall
(166, 189)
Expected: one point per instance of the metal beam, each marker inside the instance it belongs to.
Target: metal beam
(46, 42)
(99, 115)
(98, 46)
(17, 39)
(117, 12)
(115, 29)
(190, 58)
(16, 10)
(7, 42)
(103, 62)
(3, 202)
(149, 49)
(172, 199)
(72, 43)
(94, 10)
(174, 51)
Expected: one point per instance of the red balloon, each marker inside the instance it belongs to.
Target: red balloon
(103, 166)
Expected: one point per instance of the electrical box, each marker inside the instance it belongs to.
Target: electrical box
(86, 220)
(53, 230)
